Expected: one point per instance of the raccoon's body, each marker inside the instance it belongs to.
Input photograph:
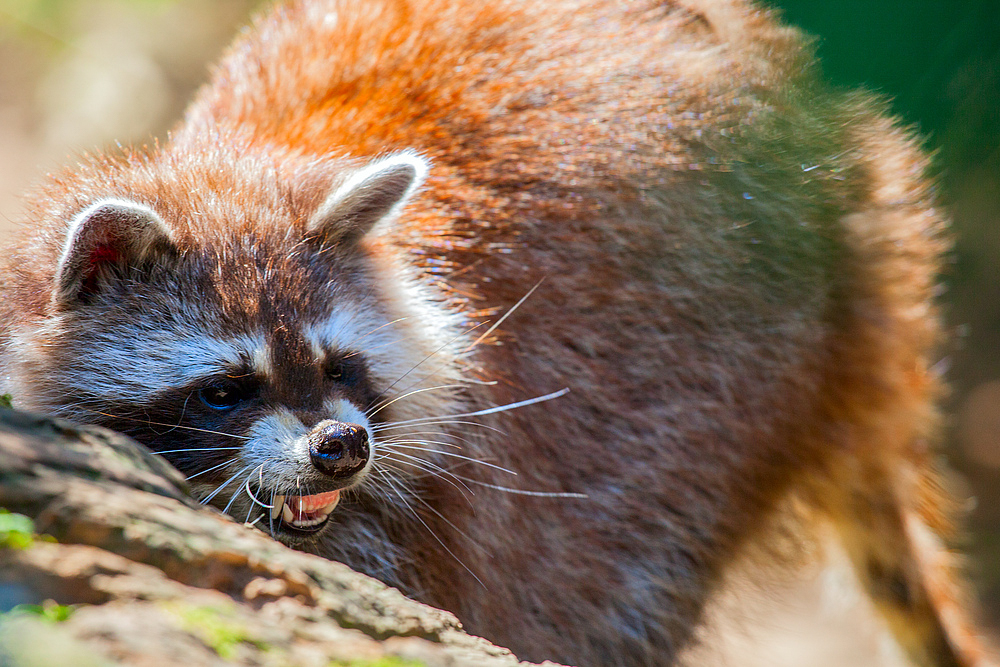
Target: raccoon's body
(734, 268)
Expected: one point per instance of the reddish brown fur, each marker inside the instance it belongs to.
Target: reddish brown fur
(738, 273)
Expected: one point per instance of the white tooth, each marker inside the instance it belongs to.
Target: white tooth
(286, 513)
(279, 503)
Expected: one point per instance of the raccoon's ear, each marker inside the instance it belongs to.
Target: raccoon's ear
(372, 193)
(110, 232)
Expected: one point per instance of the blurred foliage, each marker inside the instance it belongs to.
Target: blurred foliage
(49, 611)
(16, 531)
(49, 17)
(938, 61)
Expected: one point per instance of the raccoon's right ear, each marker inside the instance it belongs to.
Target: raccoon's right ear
(373, 193)
(110, 232)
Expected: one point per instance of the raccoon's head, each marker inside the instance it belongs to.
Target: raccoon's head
(249, 337)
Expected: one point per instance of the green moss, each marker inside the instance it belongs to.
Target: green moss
(217, 628)
(16, 530)
(6, 401)
(48, 611)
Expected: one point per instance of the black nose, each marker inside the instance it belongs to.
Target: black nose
(338, 449)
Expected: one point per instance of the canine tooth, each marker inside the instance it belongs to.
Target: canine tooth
(329, 508)
(279, 504)
(286, 513)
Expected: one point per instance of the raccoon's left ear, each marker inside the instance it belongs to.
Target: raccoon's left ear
(375, 192)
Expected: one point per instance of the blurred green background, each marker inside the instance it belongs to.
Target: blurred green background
(939, 62)
(79, 74)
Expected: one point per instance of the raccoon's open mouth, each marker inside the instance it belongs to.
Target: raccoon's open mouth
(306, 514)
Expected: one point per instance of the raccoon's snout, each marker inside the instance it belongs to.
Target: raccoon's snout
(338, 449)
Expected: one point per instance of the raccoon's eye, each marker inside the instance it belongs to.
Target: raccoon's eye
(343, 370)
(337, 370)
(221, 396)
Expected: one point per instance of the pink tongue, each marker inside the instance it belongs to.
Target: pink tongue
(303, 506)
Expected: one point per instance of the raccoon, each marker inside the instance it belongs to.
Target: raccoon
(540, 312)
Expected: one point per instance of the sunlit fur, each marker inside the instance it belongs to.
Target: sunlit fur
(735, 270)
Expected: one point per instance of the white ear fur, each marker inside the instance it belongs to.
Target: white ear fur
(110, 231)
(375, 192)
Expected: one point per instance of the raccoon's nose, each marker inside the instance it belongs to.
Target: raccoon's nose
(338, 449)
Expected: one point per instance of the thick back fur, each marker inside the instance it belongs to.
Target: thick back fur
(736, 269)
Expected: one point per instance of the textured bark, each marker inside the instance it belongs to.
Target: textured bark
(157, 579)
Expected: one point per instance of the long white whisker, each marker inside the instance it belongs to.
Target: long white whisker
(451, 553)
(452, 455)
(376, 330)
(246, 487)
(215, 467)
(454, 527)
(518, 404)
(224, 485)
(505, 316)
(408, 394)
(524, 492)
(270, 515)
(431, 421)
(441, 367)
(383, 473)
(429, 356)
(405, 437)
(195, 449)
(437, 471)
(489, 411)
(475, 342)
(233, 498)
(171, 426)
(181, 418)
